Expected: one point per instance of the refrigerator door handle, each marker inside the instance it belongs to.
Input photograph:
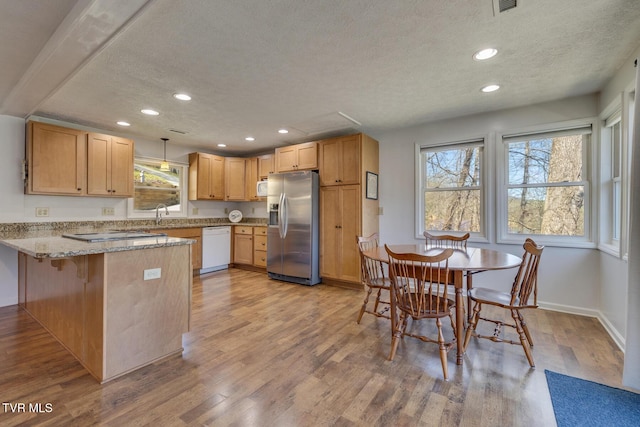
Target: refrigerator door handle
(285, 206)
(281, 215)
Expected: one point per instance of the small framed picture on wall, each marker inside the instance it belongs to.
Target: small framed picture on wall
(372, 185)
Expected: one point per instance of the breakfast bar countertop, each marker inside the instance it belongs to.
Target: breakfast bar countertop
(56, 246)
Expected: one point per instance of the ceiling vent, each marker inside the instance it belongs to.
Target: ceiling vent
(181, 132)
(500, 6)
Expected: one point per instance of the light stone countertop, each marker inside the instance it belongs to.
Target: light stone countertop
(44, 240)
(62, 247)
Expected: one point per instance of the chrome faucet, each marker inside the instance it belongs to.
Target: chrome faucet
(159, 214)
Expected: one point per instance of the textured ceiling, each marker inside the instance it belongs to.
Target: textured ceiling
(253, 67)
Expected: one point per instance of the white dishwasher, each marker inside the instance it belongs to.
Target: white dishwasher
(216, 248)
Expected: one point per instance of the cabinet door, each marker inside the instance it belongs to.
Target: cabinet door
(98, 164)
(339, 226)
(56, 160)
(307, 156)
(329, 153)
(217, 177)
(252, 179)
(109, 166)
(234, 178)
(206, 177)
(339, 161)
(330, 219)
(266, 165)
(350, 160)
(121, 167)
(286, 158)
(243, 249)
(349, 229)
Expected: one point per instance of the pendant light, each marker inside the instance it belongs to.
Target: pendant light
(164, 166)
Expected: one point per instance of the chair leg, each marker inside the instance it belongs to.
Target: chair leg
(397, 333)
(375, 305)
(364, 304)
(525, 328)
(443, 350)
(469, 287)
(523, 338)
(473, 322)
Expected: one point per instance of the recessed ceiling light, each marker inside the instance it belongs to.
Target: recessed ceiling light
(149, 112)
(249, 138)
(490, 88)
(283, 131)
(122, 123)
(222, 145)
(483, 54)
(182, 96)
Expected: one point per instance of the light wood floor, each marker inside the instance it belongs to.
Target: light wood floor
(267, 353)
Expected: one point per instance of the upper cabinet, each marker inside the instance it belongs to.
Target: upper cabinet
(63, 161)
(234, 178)
(56, 160)
(339, 160)
(206, 177)
(266, 165)
(109, 166)
(297, 157)
(252, 178)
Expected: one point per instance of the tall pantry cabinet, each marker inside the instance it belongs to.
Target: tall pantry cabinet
(345, 211)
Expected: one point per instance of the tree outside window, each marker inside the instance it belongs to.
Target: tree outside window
(452, 187)
(546, 185)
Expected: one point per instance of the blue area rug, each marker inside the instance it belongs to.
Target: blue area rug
(582, 403)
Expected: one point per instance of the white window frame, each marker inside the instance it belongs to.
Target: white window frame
(484, 187)
(184, 199)
(590, 206)
(611, 213)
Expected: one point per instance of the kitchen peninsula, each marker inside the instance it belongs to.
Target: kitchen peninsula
(115, 305)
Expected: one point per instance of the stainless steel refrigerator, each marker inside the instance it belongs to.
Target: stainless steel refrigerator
(292, 236)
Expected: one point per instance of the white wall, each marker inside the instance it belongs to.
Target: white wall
(15, 206)
(569, 278)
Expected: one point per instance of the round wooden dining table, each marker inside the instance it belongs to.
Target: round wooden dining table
(470, 260)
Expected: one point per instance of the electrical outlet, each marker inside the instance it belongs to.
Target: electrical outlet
(108, 212)
(42, 211)
(380, 210)
(226, 211)
(253, 210)
(194, 211)
(152, 273)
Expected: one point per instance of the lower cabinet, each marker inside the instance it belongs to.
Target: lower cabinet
(250, 246)
(260, 246)
(243, 244)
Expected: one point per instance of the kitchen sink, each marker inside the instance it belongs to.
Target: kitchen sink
(112, 235)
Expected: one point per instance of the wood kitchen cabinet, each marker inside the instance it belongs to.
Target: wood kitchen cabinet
(345, 211)
(235, 179)
(340, 213)
(260, 246)
(251, 179)
(339, 160)
(56, 160)
(243, 244)
(266, 165)
(109, 166)
(194, 233)
(206, 177)
(297, 157)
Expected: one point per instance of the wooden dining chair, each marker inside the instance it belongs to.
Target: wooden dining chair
(447, 240)
(420, 292)
(457, 243)
(525, 287)
(373, 278)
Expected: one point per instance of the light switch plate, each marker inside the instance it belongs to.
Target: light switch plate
(152, 273)
(108, 211)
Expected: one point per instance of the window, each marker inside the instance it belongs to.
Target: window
(547, 190)
(612, 175)
(153, 187)
(451, 192)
